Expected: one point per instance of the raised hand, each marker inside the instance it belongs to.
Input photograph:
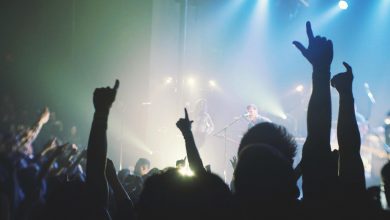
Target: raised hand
(194, 160)
(317, 174)
(44, 117)
(104, 97)
(49, 146)
(233, 162)
(184, 124)
(320, 50)
(343, 81)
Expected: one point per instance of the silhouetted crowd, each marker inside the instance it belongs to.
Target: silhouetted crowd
(62, 182)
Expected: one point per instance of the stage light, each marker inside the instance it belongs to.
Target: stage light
(299, 88)
(186, 171)
(191, 81)
(305, 3)
(343, 5)
(387, 121)
(212, 83)
(283, 116)
(168, 80)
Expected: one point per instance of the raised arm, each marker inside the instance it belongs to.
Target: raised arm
(97, 145)
(320, 54)
(29, 136)
(194, 160)
(351, 170)
(48, 147)
(125, 208)
(76, 162)
(318, 168)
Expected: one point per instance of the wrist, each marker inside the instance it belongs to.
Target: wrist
(40, 123)
(101, 115)
(346, 95)
(102, 111)
(321, 69)
(186, 133)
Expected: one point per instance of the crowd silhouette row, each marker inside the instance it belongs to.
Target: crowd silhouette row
(62, 182)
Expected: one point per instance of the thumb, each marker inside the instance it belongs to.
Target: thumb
(116, 86)
(348, 67)
(300, 47)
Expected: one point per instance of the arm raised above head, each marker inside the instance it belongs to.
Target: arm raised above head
(194, 160)
(319, 168)
(351, 170)
(97, 144)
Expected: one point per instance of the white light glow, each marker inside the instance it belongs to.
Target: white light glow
(299, 88)
(168, 80)
(212, 83)
(191, 81)
(343, 5)
(186, 171)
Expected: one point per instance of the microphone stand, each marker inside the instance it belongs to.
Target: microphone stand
(224, 131)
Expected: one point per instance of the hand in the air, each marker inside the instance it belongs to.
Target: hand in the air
(233, 162)
(343, 81)
(104, 97)
(45, 116)
(320, 50)
(184, 124)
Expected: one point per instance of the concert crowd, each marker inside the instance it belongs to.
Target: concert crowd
(62, 182)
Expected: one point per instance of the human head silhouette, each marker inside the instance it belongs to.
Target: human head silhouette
(272, 134)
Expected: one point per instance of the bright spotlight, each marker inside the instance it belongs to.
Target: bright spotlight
(186, 171)
(283, 116)
(191, 81)
(212, 83)
(168, 80)
(343, 5)
(299, 88)
(387, 121)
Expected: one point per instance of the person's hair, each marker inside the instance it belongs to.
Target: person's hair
(272, 134)
(170, 195)
(264, 179)
(251, 106)
(385, 173)
(122, 174)
(140, 162)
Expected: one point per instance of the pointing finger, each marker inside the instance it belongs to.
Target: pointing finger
(309, 31)
(186, 114)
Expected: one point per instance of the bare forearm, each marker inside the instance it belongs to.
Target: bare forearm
(348, 134)
(96, 155)
(194, 160)
(319, 111)
(318, 168)
(351, 165)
